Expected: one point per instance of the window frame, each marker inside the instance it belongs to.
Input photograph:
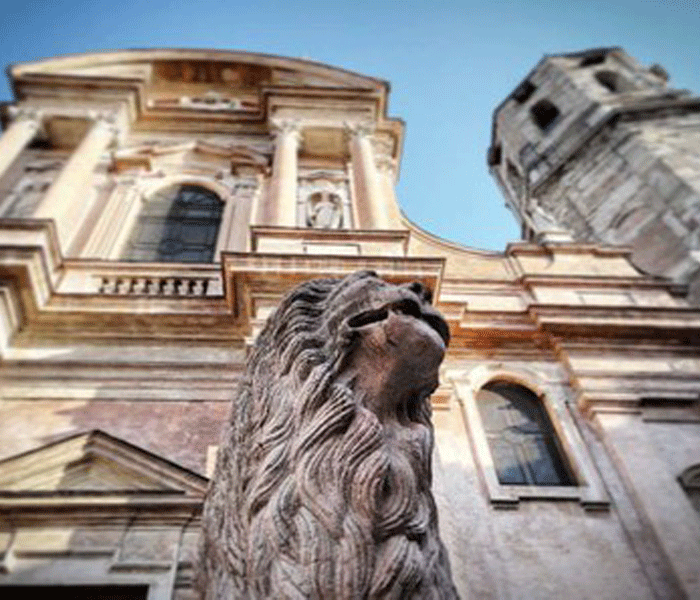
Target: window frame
(530, 412)
(587, 488)
(120, 215)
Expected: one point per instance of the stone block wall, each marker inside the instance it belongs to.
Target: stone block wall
(635, 184)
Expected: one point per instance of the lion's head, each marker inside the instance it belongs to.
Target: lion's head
(322, 486)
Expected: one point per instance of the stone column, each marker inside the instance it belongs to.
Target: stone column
(367, 186)
(68, 200)
(284, 174)
(386, 167)
(16, 137)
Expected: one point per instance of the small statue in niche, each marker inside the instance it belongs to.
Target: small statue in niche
(322, 487)
(324, 211)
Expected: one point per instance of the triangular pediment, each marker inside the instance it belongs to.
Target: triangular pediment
(96, 462)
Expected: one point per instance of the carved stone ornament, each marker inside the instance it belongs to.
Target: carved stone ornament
(324, 211)
(322, 485)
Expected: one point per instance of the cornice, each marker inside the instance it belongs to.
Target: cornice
(109, 57)
(104, 301)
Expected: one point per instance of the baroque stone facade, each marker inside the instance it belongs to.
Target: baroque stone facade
(156, 206)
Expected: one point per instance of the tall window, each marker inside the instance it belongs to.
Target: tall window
(177, 224)
(523, 444)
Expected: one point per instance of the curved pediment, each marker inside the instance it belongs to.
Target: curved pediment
(238, 70)
(168, 87)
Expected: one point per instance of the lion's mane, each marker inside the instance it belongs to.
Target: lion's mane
(310, 497)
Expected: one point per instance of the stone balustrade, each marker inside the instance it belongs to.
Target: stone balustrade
(125, 285)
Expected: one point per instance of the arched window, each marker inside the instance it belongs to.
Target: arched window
(690, 481)
(523, 444)
(177, 224)
(544, 113)
(613, 82)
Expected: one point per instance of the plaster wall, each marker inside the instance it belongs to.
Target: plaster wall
(650, 458)
(538, 547)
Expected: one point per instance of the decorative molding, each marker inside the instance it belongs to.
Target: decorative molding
(94, 463)
(383, 145)
(286, 128)
(249, 275)
(386, 164)
(360, 128)
(27, 113)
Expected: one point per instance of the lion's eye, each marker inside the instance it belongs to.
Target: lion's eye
(407, 307)
(368, 317)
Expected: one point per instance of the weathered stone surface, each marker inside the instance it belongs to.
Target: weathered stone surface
(603, 169)
(322, 487)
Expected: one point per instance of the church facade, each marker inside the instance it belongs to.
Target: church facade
(155, 205)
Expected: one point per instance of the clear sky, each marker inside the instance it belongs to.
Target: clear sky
(449, 63)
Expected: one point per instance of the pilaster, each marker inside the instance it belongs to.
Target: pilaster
(386, 169)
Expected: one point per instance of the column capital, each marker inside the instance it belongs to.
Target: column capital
(26, 113)
(386, 164)
(360, 128)
(105, 120)
(287, 127)
(383, 144)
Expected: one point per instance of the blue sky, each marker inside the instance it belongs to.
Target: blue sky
(449, 63)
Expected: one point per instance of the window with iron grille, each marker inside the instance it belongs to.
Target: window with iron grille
(523, 444)
(177, 224)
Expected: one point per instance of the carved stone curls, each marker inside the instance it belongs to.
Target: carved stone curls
(322, 486)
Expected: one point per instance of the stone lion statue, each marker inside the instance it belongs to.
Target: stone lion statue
(322, 485)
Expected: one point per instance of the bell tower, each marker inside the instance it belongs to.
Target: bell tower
(601, 147)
